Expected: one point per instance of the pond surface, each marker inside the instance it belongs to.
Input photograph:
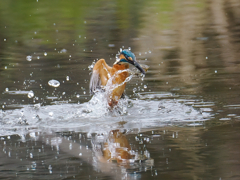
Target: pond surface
(181, 121)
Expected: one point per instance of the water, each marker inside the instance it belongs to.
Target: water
(54, 83)
(181, 121)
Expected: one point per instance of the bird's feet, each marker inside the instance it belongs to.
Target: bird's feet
(112, 103)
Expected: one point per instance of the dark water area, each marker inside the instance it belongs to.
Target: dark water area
(181, 121)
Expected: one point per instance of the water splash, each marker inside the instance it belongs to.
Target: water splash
(30, 94)
(95, 116)
(90, 67)
(111, 86)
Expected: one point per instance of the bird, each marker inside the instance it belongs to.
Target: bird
(114, 78)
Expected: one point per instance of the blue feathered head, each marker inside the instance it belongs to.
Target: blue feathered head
(129, 57)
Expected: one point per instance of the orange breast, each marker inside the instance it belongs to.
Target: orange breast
(119, 81)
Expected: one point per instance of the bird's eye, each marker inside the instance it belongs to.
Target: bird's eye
(123, 60)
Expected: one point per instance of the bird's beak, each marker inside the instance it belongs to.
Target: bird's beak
(139, 67)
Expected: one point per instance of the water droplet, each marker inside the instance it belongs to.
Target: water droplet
(78, 96)
(5, 39)
(30, 94)
(90, 67)
(50, 169)
(54, 83)
(5, 67)
(80, 154)
(149, 52)
(6, 89)
(31, 155)
(45, 54)
(63, 93)
(215, 71)
(111, 45)
(145, 86)
(38, 57)
(29, 58)
(84, 92)
(70, 146)
(134, 90)
(34, 165)
(67, 78)
(206, 57)
(63, 51)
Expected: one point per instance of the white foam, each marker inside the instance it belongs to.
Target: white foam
(95, 115)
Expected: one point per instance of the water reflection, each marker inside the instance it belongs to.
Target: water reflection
(59, 154)
(176, 153)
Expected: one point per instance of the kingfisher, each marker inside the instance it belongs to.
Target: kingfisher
(114, 78)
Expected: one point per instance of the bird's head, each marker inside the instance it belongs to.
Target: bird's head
(127, 56)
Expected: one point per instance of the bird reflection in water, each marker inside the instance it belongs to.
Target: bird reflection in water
(115, 148)
(111, 154)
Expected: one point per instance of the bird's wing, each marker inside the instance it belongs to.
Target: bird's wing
(100, 76)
